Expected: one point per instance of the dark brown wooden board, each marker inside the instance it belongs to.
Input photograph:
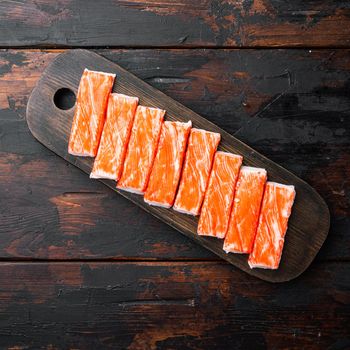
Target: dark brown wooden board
(308, 225)
(301, 122)
(184, 23)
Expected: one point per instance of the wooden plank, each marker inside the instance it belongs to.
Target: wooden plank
(179, 306)
(56, 226)
(184, 23)
(309, 222)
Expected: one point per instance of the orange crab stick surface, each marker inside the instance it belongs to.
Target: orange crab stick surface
(245, 210)
(275, 211)
(141, 149)
(90, 113)
(201, 148)
(166, 171)
(215, 213)
(115, 137)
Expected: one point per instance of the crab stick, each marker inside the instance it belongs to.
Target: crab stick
(215, 213)
(90, 113)
(201, 148)
(115, 137)
(166, 170)
(269, 240)
(245, 210)
(142, 149)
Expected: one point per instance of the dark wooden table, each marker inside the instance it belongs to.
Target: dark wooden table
(83, 268)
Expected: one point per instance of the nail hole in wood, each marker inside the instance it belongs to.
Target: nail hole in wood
(64, 99)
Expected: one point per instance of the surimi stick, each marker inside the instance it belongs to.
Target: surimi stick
(90, 112)
(141, 149)
(273, 222)
(115, 137)
(218, 199)
(166, 170)
(201, 148)
(245, 210)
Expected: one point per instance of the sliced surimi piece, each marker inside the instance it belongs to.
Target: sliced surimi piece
(245, 210)
(141, 149)
(167, 166)
(201, 148)
(269, 240)
(215, 213)
(90, 112)
(115, 137)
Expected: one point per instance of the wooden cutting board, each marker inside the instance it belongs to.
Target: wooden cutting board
(308, 224)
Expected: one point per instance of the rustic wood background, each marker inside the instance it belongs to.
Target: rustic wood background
(84, 268)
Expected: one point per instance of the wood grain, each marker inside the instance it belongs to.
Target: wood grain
(159, 305)
(308, 225)
(292, 105)
(183, 23)
(42, 218)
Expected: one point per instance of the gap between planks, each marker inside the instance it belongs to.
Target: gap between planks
(140, 261)
(61, 48)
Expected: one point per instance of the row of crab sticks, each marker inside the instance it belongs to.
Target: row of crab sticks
(175, 165)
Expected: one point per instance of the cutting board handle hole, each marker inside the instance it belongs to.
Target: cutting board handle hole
(64, 98)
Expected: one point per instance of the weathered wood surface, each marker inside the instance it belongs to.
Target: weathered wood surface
(66, 224)
(184, 23)
(84, 306)
(157, 305)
